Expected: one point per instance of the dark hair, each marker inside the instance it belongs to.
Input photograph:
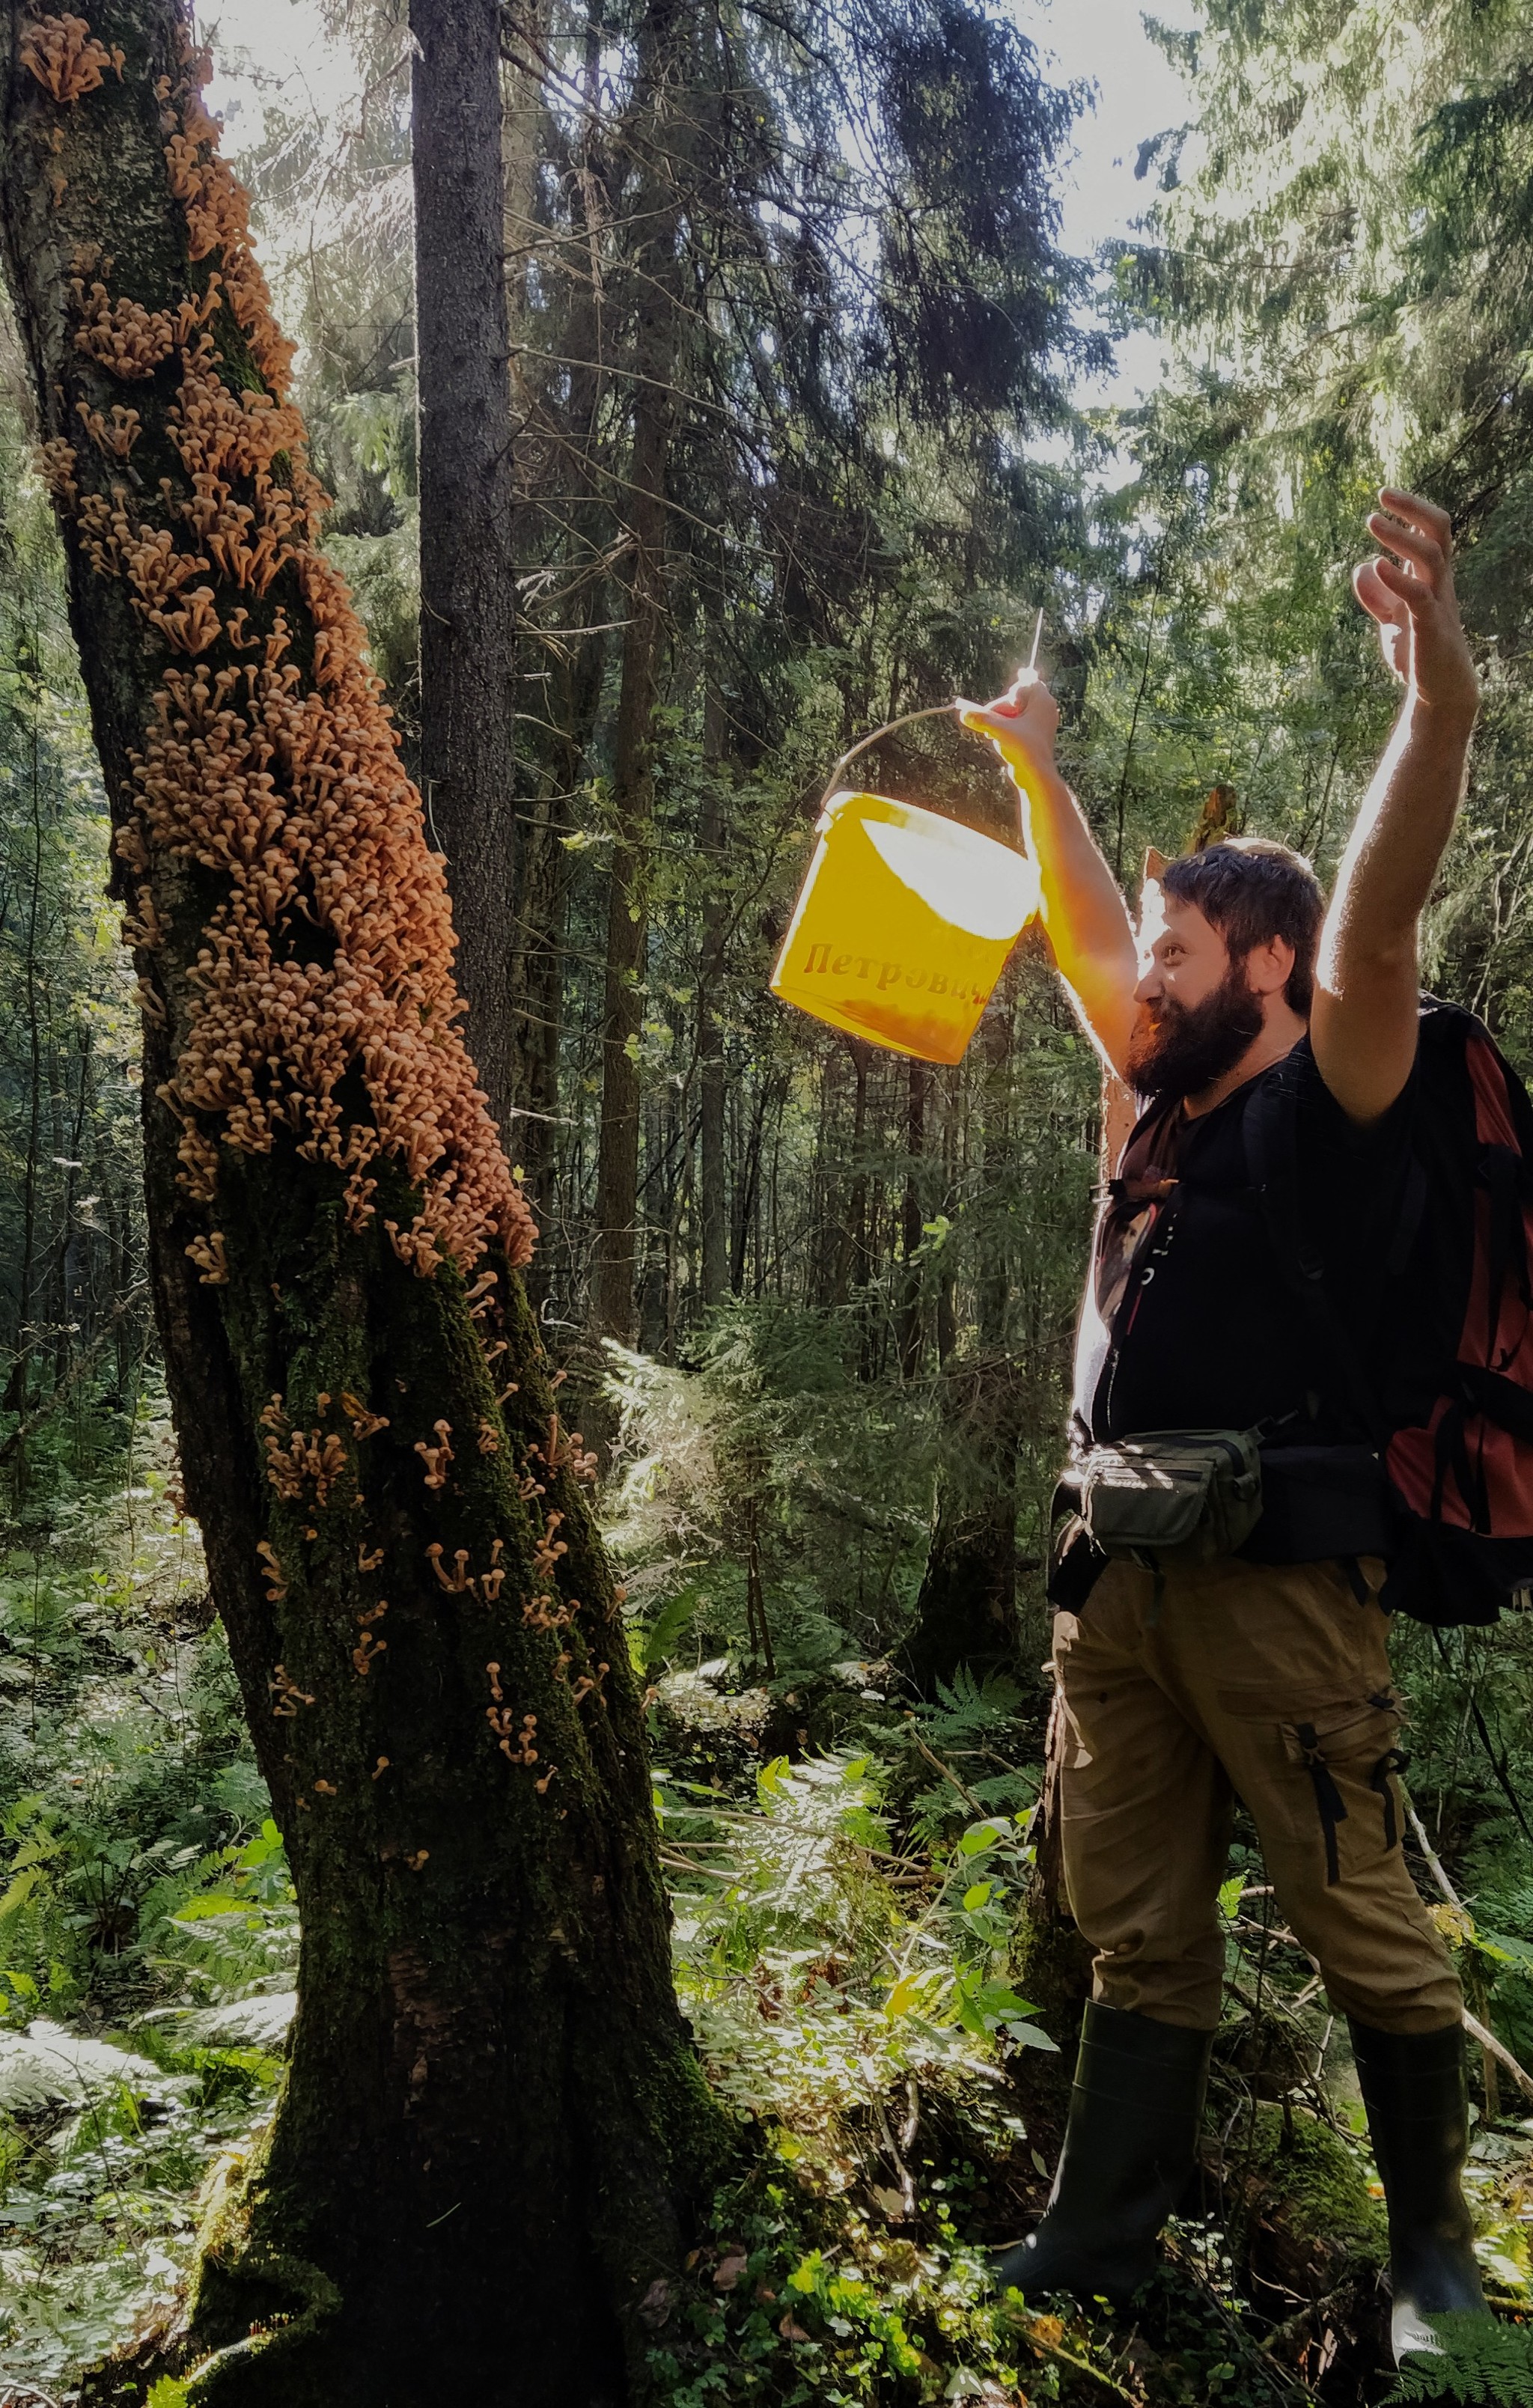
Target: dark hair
(1252, 890)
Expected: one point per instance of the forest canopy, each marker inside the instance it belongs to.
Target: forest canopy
(698, 1755)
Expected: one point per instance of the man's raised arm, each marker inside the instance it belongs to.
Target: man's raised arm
(1083, 912)
(1364, 1024)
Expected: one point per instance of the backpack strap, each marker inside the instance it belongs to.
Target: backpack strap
(1451, 1453)
(1502, 1174)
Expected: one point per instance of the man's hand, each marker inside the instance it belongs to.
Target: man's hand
(1413, 598)
(1022, 722)
(1083, 912)
(1363, 1027)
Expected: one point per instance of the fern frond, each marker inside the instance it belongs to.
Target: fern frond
(1483, 2364)
(966, 1708)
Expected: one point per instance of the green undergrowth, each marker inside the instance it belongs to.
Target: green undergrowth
(846, 1936)
(148, 1936)
(851, 1873)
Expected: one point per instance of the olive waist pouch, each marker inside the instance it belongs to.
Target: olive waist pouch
(1191, 1494)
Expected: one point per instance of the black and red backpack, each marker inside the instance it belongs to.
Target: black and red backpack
(1445, 1385)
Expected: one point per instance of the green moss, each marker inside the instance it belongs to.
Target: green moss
(1316, 2183)
(1050, 1965)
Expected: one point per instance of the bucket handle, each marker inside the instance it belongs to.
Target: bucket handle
(933, 711)
(908, 718)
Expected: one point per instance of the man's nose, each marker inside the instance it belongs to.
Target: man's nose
(1149, 988)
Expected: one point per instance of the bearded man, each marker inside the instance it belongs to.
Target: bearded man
(1261, 1673)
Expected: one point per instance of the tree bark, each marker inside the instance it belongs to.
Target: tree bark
(467, 498)
(481, 2163)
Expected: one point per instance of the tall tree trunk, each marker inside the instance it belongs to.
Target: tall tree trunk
(966, 1606)
(854, 1266)
(479, 2165)
(655, 279)
(523, 32)
(542, 904)
(468, 496)
(965, 1609)
(568, 441)
(913, 1222)
(748, 1185)
(713, 1195)
(16, 1388)
(66, 1322)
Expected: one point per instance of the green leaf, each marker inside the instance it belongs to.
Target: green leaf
(979, 1896)
(213, 1901)
(21, 1891)
(1031, 2036)
(981, 1836)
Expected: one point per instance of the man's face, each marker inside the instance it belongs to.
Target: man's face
(1197, 1011)
(1182, 958)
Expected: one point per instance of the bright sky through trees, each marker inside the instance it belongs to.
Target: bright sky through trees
(1139, 93)
(1103, 42)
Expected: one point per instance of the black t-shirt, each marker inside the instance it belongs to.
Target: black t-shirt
(1190, 1319)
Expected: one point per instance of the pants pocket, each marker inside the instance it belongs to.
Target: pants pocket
(1333, 1769)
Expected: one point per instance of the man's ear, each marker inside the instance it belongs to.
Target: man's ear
(1272, 965)
(1155, 865)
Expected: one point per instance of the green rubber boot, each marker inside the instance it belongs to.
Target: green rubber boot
(1412, 2085)
(1129, 2146)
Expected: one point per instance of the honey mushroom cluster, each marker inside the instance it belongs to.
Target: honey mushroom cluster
(565, 1452)
(460, 1579)
(286, 781)
(518, 1745)
(65, 57)
(368, 1645)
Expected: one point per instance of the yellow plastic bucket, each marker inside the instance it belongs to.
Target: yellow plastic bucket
(904, 926)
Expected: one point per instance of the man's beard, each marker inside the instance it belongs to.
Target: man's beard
(1185, 1047)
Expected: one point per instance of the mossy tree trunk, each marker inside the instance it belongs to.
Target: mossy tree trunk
(479, 2167)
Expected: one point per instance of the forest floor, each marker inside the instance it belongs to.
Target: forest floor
(858, 1947)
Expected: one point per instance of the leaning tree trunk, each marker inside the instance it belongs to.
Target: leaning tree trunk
(477, 2168)
(468, 501)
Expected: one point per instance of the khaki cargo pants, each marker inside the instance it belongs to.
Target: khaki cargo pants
(1269, 1683)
